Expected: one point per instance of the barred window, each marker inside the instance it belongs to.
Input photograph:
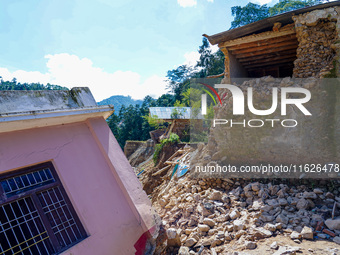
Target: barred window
(36, 216)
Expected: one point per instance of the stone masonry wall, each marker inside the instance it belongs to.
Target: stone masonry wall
(318, 33)
(131, 146)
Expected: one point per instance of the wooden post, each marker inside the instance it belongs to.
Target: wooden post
(226, 65)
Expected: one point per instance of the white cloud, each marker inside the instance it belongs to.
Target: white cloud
(191, 58)
(211, 1)
(261, 2)
(214, 48)
(187, 3)
(71, 71)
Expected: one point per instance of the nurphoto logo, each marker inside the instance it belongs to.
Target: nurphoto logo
(239, 105)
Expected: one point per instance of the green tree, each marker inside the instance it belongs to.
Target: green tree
(15, 85)
(165, 100)
(133, 122)
(178, 80)
(248, 14)
(209, 63)
(254, 12)
(290, 5)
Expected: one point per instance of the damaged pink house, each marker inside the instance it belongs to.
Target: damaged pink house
(65, 184)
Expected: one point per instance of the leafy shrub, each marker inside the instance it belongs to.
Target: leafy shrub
(173, 139)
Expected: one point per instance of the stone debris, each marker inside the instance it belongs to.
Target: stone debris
(196, 213)
(336, 239)
(184, 251)
(287, 250)
(190, 242)
(307, 233)
(234, 214)
(295, 235)
(209, 222)
(333, 224)
(274, 246)
(250, 245)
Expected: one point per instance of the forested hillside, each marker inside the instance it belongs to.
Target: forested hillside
(14, 85)
(119, 101)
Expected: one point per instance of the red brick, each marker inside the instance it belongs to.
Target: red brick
(328, 232)
(319, 226)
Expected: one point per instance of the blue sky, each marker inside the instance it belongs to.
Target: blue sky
(115, 47)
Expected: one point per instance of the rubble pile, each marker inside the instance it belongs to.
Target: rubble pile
(218, 216)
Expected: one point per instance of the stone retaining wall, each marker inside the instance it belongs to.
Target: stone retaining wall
(318, 33)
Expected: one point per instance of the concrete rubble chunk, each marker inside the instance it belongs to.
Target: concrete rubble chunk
(207, 241)
(333, 224)
(309, 195)
(272, 202)
(162, 202)
(238, 225)
(171, 233)
(173, 237)
(216, 242)
(295, 235)
(234, 214)
(263, 233)
(209, 222)
(184, 251)
(302, 204)
(220, 235)
(226, 199)
(257, 205)
(318, 191)
(307, 233)
(336, 239)
(270, 227)
(216, 195)
(282, 219)
(274, 246)
(203, 227)
(283, 202)
(266, 218)
(227, 236)
(208, 209)
(250, 245)
(190, 242)
(255, 186)
(321, 235)
(229, 228)
(287, 250)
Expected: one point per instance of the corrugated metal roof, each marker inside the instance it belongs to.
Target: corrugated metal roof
(265, 24)
(167, 113)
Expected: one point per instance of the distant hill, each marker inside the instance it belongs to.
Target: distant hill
(119, 101)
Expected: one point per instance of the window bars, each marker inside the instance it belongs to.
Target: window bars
(36, 216)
